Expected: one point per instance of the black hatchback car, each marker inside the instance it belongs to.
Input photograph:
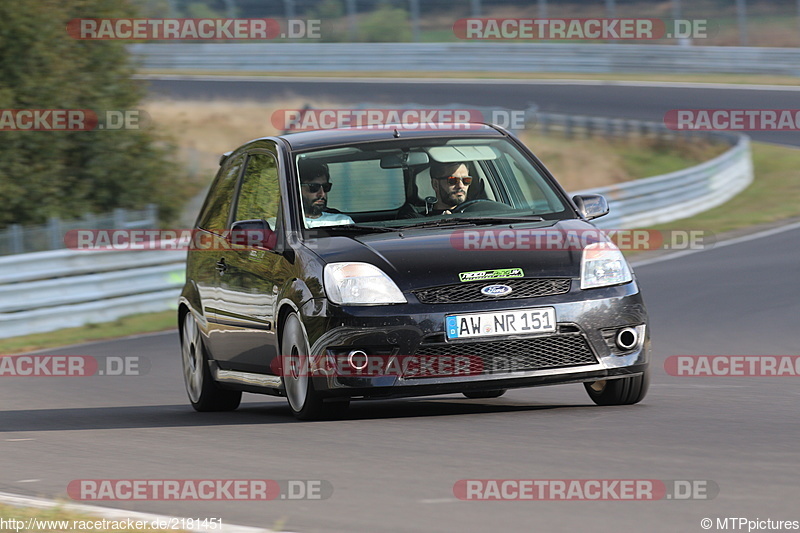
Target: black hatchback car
(403, 261)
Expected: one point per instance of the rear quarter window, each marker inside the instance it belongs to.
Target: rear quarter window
(214, 215)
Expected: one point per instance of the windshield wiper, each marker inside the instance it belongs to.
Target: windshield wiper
(455, 221)
(356, 228)
(508, 220)
(439, 222)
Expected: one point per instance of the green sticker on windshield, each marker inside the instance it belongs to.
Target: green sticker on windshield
(500, 273)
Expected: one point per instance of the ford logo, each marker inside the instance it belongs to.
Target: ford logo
(496, 290)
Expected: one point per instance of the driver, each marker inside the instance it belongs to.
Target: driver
(451, 182)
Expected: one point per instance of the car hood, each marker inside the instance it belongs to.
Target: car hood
(430, 257)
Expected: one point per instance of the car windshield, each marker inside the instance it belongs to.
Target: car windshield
(406, 183)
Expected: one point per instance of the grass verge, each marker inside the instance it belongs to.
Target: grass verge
(773, 196)
(612, 160)
(122, 327)
(60, 519)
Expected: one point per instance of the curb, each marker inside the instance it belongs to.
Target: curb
(117, 514)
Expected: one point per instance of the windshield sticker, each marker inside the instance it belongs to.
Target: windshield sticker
(481, 275)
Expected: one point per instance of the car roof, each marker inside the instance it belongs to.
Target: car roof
(337, 136)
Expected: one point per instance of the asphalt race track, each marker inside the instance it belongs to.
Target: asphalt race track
(604, 99)
(393, 464)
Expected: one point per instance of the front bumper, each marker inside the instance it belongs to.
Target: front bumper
(581, 350)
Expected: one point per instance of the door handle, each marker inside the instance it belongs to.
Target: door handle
(222, 266)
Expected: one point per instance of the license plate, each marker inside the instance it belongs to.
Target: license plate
(521, 321)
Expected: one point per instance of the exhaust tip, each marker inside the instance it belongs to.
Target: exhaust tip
(358, 359)
(627, 338)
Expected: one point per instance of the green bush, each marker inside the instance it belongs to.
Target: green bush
(386, 25)
(67, 174)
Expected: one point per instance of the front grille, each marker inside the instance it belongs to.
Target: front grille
(471, 292)
(497, 357)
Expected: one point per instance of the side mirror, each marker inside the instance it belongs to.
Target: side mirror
(591, 205)
(254, 233)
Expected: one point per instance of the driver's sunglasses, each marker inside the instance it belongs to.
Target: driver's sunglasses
(452, 180)
(314, 187)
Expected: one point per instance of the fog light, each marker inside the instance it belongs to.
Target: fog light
(358, 359)
(627, 338)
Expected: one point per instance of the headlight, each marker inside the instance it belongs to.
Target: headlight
(603, 264)
(360, 284)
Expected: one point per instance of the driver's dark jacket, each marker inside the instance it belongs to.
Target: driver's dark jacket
(407, 210)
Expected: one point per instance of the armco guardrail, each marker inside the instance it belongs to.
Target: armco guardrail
(677, 195)
(45, 291)
(465, 57)
(18, 239)
(66, 262)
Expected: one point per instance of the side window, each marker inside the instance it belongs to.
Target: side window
(530, 185)
(214, 216)
(259, 195)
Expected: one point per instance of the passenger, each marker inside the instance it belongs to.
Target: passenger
(314, 188)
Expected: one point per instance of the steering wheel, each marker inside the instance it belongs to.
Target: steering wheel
(482, 205)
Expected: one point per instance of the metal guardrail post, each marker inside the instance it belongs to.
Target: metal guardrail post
(414, 8)
(119, 218)
(545, 124)
(15, 238)
(741, 14)
(477, 11)
(352, 25)
(288, 7)
(151, 214)
(54, 237)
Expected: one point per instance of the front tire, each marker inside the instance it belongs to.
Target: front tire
(622, 391)
(304, 401)
(204, 393)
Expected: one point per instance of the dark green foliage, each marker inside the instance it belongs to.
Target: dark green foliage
(67, 174)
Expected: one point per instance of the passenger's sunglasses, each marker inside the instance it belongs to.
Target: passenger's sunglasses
(314, 187)
(452, 180)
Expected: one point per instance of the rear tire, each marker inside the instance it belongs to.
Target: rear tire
(204, 393)
(622, 391)
(475, 395)
(304, 401)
